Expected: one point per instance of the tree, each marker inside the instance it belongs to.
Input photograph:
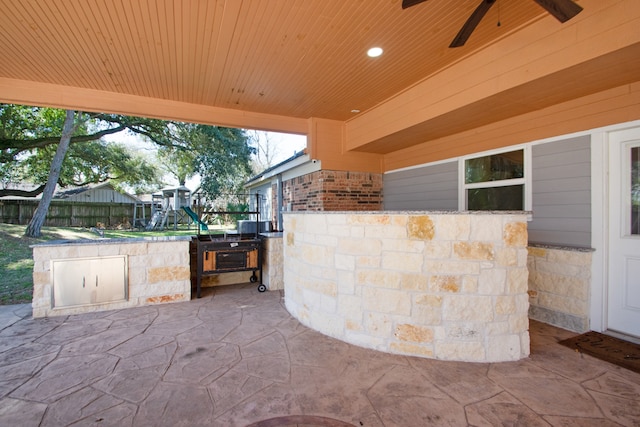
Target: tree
(180, 160)
(29, 137)
(32, 146)
(35, 225)
(223, 159)
(265, 151)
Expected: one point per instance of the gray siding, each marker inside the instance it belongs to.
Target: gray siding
(562, 193)
(428, 188)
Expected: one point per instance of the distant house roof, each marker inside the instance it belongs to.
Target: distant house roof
(100, 193)
(285, 165)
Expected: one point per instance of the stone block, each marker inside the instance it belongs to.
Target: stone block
(349, 306)
(338, 230)
(467, 308)
(517, 280)
(328, 304)
(40, 278)
(368, 261)
(379, 278)
(315, 224)
(429, 300)
(451, 267)
(378, 324)
(133, 249)
(344, 262)
(515, 234)
(470, 284)
(321, 287)
(518, 322)
(485, 228)
(410, 262)
(318, 255)
(492, 281)
(168, 274)
(386, 301)
(109, 250)
(420, 227)
(505, 304)
(507, 257)
(497, 328)
(414, 333)
(460, 350)
(326, 240)
(346, 282)
(445, 283)
(362, 247)
(403, 245)
(537, 252)
(385, 232)
(358, 219)
(426, 315)
(474, 250)
(137, 276)
(464, 332)
(570, 257)
(503, 348)
(411, 349)
(162, 299)
(453, 227)
(353, 325)
(357, 232)
(413, 282)
(436, 249)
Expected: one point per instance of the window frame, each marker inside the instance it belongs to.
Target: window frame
(526, 181)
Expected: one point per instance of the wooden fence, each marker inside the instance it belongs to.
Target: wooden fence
(70, 214)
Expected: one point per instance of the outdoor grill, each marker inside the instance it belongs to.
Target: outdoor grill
(216, 254)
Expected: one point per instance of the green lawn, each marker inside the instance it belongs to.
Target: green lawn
(16, 258)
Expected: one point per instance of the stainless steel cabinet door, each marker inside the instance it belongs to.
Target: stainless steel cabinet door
(89, 281)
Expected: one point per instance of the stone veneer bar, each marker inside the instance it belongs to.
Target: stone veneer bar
(559, 286)
(158, 271)
(443, 285)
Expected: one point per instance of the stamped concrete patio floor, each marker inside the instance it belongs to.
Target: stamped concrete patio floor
(237, 358)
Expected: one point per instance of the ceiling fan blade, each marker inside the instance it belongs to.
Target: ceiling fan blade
(472, 23)
(563, 10)
(409, 3)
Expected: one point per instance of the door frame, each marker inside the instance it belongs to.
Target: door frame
(600, 156)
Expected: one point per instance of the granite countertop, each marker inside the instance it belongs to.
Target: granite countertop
(99, 241)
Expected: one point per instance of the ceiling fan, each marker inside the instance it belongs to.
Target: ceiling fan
(562, 10)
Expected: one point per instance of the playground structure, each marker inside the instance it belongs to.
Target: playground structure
(172, 206)
(195, 219)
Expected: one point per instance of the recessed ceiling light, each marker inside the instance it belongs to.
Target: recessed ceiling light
(374, 52)
(355, 111)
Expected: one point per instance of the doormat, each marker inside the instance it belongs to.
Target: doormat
(604, 347)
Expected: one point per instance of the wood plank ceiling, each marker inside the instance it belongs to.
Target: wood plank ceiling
(297, 58)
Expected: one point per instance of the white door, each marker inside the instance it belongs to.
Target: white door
(624, 232)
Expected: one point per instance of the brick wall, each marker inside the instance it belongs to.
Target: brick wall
(328, 190)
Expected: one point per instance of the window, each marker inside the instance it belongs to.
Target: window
(496, 181)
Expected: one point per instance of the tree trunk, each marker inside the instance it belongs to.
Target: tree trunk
(34, 228)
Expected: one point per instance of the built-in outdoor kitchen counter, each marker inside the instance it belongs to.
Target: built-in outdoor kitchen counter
(443, 285)
(79, 276)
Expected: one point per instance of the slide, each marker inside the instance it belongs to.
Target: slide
(194, 217)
